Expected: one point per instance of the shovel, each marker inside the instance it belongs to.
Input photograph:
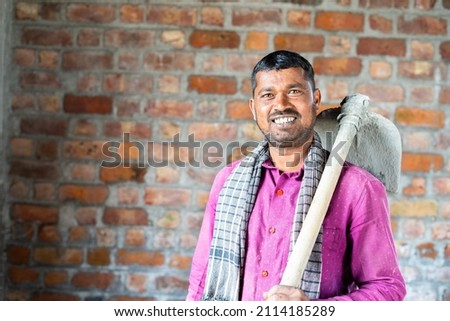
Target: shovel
(361, 137)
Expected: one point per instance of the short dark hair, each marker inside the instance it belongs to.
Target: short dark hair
(283, 59)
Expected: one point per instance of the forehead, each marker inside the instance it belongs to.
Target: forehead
(280, 77)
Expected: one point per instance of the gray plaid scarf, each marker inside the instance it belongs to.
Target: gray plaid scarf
(234, 207)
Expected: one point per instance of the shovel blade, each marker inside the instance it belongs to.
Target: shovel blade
(376, 147)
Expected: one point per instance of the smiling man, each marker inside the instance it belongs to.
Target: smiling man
(257, 206)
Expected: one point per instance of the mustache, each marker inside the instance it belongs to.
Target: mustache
(287, 112)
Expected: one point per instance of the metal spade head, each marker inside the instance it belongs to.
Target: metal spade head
(376, 147)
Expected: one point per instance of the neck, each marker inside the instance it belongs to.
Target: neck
(290, 159)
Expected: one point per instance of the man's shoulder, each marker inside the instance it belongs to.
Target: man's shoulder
(353, 174)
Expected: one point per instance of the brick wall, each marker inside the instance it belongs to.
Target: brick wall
(130, 83)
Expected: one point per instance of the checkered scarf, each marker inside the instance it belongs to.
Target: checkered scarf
(234, 207)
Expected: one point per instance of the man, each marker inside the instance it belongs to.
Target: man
(257, 206)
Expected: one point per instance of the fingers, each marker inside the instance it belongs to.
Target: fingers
(285, 293)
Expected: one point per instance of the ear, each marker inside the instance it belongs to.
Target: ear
(317, 97)
(251, 105)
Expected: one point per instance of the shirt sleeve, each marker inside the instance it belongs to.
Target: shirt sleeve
(201, 255)
(373, 258)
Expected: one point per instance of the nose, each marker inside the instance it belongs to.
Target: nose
(282, 102)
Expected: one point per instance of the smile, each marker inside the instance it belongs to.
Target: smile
(283, 120)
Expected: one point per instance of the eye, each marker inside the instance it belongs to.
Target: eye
(267, 95)
(295, 91)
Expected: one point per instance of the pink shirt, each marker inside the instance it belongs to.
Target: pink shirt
(359, 260)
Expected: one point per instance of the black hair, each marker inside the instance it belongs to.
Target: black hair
(283, 59)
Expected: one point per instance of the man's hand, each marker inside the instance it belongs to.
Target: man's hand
(285, 293)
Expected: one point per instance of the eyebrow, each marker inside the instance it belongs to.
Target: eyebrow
(290, 86)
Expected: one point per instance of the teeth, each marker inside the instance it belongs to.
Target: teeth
(284, 120)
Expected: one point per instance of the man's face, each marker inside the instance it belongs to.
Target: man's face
(284, 106)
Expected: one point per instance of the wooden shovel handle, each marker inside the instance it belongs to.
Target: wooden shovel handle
(353, 109)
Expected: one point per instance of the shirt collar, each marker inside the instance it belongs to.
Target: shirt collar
(269, 165)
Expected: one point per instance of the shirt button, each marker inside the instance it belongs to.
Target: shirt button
(279, 192)
(272, 230)
(264, 274)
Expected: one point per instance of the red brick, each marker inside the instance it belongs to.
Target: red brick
(129, 38)
(128, 61)
(444, 50)
(85, 60)
(22, 147)
(84, 172)
(380, 70)
(238, 109)
(416, 69)
(427, 250)
(50, 296)
(422, 25)
(169, 84)
(49, 103)
(131, 13)
(339, 45)
(98, 256)
(40, 80)
(83, 149)
(213, 131)
(442, 186)
(441, 231)
(415, 208)
(18, 254)
(382, 93)
(413, 228)
(135, 237)
(119, 83)
(86, 215)
(55, 278)
(88, 83)
(88, 37)
(35, 213)
(137, 282)
(400, 4)
(167, 196)
(44, 126)
(127, 107)
(422, 162)
(27, 11)
(182, 262)
(242, 62)
(143, 258)
(131, 298)
(19, 275)
(171, 283)
(90, 280)
(446, 4)
(173, 38)
(95, 13)
(49, 234)
(169, 61)
(24, 57)
(125, 216)
(251, 17)
(85, 194)
(215, 63)
(58, 256)
(170, 220)
(380, 23)
(424, 4)
(169, 108)
(299, 42)
(223, 85)
(33, 169)
(46, 37)
(44, 191)
(339, 21)
(87, 104)
(444, 95)
(171, 15)
(122, 174)
(422, 50)
(411, 116)
(299, 19)
(78, 234)
(51, 11)
(23, 101)
(337, 66)
(48, 59)
(257, 40)
(214, 39)
(212, 16)
(127, 196)
(84, 127)
(381, 46)
(19, 189)
(422, 94)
